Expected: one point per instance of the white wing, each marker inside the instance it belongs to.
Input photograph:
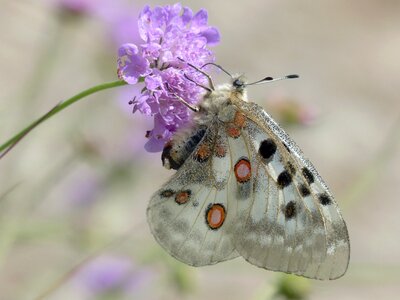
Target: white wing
(191, 216)
(247, 190)
(293, 223)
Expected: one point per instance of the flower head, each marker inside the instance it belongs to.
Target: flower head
(173, 36)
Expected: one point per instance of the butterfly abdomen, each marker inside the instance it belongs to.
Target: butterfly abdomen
(194, 140)
(177, 150)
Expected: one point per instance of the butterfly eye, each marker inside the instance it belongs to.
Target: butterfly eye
(237, 83)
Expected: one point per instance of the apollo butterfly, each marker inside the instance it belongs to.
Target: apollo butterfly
(244, 188)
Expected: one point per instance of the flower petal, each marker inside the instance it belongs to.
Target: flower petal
(212, 35)
(131, 64)
(187, 15)
(155, 145)
(200, 18)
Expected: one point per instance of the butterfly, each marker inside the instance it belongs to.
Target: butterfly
(244, 188)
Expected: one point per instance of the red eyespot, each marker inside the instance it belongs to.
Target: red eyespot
(202, 153)
(215, 215)
(233, 131)
(243, 170)
(220, 150)
(239, 120)
(182, 197)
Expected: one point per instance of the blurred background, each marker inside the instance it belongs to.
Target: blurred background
(73, 193)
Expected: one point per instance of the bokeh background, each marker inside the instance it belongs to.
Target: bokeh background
(73, 193)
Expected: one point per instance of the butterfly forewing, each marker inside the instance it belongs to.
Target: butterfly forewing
(303, 232)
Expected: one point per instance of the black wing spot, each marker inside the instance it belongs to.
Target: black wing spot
(267, 148)
(290, 210)
(284, 179)
(324, 199)
(287, 147)
(304, 190)
(167, 155)
(308, 175)
(167, 193)
(291, 168)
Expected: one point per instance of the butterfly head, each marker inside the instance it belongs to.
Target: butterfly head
(239, 83)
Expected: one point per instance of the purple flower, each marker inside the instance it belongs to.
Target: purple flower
(108, 273)
(173, 37)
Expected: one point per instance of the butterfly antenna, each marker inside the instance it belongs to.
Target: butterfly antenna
(219, 67)
(210, 82)
(198, 84)
(271, 79)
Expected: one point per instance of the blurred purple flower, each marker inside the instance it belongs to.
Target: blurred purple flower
(76, 7)
(173, 36)
(118, 16)
(85, 188)
(108, 273)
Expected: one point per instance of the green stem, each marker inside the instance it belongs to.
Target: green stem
(62, 105)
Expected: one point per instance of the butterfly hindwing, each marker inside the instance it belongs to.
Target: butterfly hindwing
(190, 215)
